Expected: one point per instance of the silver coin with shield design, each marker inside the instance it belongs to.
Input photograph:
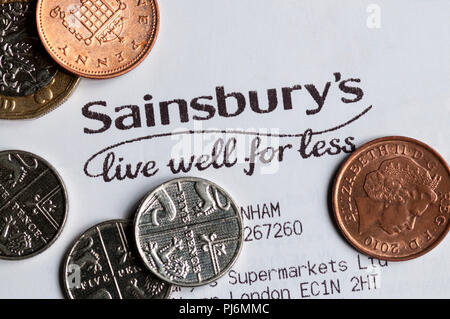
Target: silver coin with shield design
(188, 231)
(33, 204)
(103, 264)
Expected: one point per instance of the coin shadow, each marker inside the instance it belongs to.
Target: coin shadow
(330, 200)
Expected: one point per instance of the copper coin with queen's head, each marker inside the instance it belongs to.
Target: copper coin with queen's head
(98, 38)
(391, 198)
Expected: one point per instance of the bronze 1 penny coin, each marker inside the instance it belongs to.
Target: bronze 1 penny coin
(98, 38)
(31, 83)
(391, 198)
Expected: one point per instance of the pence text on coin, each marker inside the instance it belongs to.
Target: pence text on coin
(31, 83)
(103, 264)
(188, 231)
(391, 198)
(98, 38)
(33, 205)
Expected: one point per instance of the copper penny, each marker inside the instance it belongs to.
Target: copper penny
(31, 83)
(391, 198)
(98, 38)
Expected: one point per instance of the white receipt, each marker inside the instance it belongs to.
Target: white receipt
(266, 99)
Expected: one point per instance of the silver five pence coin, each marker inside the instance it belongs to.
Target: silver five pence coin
(188, 231)
(103, 264)
(33, 204)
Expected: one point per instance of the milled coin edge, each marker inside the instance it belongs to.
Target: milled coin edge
(51, 106)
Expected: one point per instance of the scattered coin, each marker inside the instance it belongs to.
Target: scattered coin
(103, 264)
(33, 205)
(188, 231)
(31, 83)
(391, 198)
(98, 38)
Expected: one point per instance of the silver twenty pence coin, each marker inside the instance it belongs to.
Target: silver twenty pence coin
(33, 204)
(188, 231)
(103, 264)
